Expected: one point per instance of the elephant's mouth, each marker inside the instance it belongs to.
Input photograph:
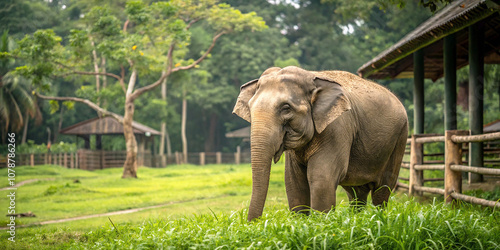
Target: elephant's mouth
(278, 153)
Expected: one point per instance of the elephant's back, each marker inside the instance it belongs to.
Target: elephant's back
(351, 82)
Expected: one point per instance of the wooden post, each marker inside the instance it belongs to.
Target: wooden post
(61, 159)
(71, 160)
(416, 158)
(450, 82)
(77, 163)
(177, 160)
(476, 96)
(418, 91)
(202, 158)
(453, 156)
(32, 160)
(237, 155)
(218, 157)
(66, 160)
(101, 159)
(163, 160)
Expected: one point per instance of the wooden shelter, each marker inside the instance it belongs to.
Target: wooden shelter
(240, 133)
(466, 32)
(99, 126)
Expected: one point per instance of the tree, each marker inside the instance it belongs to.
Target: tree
(15, 102)
(153, 39)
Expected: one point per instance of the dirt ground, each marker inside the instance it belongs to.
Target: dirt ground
(489, 184)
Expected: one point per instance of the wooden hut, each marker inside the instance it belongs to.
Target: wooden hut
(466, 32)
(98, 158)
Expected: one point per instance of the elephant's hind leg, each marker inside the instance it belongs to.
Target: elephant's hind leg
(357, 195)
(382, 191)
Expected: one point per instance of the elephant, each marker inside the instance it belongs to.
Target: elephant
(335, 128)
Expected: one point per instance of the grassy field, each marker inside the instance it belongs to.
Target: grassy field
(205, 207)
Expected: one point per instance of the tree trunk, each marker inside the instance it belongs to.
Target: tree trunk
(164, 123)
(210, 141)
(25, 130)
(96, 68)
(161, 148)
(104, 79)
(183, 127)
(130, 165)
(59, 126)
(169, 146)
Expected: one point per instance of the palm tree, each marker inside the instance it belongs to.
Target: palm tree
(15, 102)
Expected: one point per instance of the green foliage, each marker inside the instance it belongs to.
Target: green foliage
(15, 100)
(43, 50)
(403, 225)
(493, 195)
(288, 62)
(215, 215)
(31, 148)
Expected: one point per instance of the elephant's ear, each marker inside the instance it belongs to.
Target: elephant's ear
(241, 107)
(328, 103)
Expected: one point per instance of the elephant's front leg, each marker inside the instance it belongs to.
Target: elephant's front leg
(297, 187)
(323, 176)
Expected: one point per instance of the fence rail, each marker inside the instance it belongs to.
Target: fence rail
(100, 159)
(453, 165)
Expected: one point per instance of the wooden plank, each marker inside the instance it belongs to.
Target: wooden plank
(429, 190)
(402, 185)
(429, 167)
(475, 200)
(476, 138)
(433, 179)
(430, 139)
(477, 170)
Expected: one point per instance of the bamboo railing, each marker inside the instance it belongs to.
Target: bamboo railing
(453, 166)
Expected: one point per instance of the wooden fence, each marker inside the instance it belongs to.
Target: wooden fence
(452, 165)
(98, 159)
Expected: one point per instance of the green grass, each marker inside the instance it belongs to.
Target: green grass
(104, 191)
(209, 208)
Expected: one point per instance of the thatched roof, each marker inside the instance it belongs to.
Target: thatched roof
(105, 126)
(239, 133)
(492, 127)
(397, 61)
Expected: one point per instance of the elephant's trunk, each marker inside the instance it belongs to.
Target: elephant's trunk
(265, 143)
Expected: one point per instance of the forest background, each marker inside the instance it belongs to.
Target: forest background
(315, 35)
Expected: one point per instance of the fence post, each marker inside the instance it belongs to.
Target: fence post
(453, 156)
(32, 160)
(218, 157)
(163, 160)
(66, 160)
(71, 160)
(77, 162)
(237, 155)
(416, 158)
(177, 158)
(202, 158)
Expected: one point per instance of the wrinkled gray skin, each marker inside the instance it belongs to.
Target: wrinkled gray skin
(336, 129)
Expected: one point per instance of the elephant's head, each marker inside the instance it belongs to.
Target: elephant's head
(285, 107)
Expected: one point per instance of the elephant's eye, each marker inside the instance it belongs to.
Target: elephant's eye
(286, 108)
